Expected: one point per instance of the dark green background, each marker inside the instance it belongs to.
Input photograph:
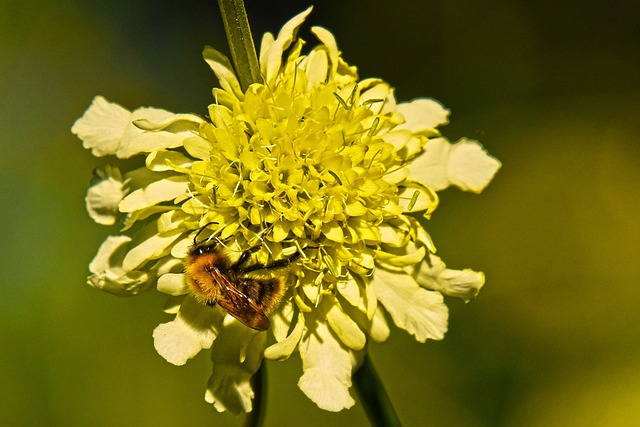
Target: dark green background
(550, 88)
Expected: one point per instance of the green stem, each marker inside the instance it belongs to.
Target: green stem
(255, 418)
(243, 52)
(373, 396)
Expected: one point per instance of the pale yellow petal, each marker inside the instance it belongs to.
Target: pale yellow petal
(236, 356)
(147, 245)
(329, 41)
(343, 326)
(223, 69)
(379, 330)
(350, 291)
(317, 67)
(416, 197)
(194, 328)
(420, 312)
(407, 256)
(102, 128)
(158, 191)
(327, 367)
(283, 349)
(271, 60)
(173, 284)
(464, 164)
(470, 167)
(108, 273)
(167, 160)
(104, 195)
(434, 275)
(423, 115)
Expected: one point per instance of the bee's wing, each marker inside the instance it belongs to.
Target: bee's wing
(239, 305)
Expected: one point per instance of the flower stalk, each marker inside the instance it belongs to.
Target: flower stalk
(255, 418)
(243, 51)
(374, 398)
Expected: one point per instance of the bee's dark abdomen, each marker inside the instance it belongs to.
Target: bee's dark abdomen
(265, 293)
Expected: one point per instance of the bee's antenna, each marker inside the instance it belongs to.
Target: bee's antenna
(195, 238)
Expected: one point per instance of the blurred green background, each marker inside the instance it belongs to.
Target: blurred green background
(551, 88)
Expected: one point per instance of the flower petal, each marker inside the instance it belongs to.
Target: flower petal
(378, 96)
(194, 328)
(379, 330)
(407, 256)
(223, 70)
(108, 273)
(394, 234)
(158, 191)
(327, 39)
(107, 128)
(153, 120)
(359, 294)
(423, 115)
(236, 356)
(471, 168)
(416, 197)
(281, 320)
(152, 141)
(333, 231)
(104, 195)
(103, 126)
(283, 349)
(327, 366)
(350, 290)
(168, 265)
(420, 312)
(396, 176)
(273, 57)
(343, 326)
(166, 160)
(148, 245)
(162, 131)
(197, 147)
(434, 275)
(464, 164)
(173, 284)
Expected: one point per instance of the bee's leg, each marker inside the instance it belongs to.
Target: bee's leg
(284, 262)
(280, 263)
(244, 257)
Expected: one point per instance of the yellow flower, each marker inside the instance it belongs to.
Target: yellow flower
(312, 161)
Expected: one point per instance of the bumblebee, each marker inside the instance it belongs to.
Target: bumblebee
(214, 279)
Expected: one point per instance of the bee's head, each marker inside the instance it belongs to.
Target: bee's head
(202, 249)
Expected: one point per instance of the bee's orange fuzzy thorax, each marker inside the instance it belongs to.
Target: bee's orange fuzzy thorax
(202, 283)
